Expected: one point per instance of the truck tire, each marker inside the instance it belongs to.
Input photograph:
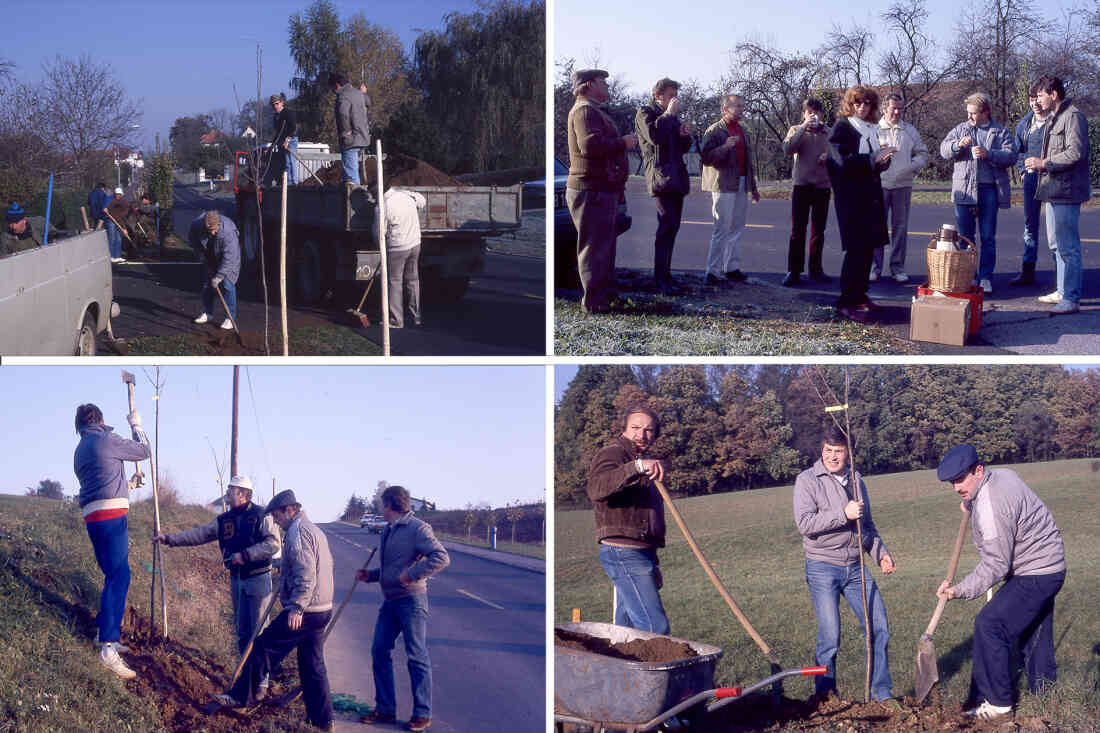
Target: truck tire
(85, 338)
(307, 273)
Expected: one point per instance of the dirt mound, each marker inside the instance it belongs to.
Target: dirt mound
(658, 649)
(398, 170)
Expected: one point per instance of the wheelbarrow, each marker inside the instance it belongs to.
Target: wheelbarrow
(605, 693)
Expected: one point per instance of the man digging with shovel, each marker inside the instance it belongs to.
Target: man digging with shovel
(306, 598)
(826, 507)
(1018, 542)
(214, 238)
(99, 463)
(248, 540)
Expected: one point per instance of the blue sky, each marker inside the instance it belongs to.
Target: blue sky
(183, 59)
(644, 40)
(451, 434)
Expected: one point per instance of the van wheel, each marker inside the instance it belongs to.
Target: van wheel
(85, 339)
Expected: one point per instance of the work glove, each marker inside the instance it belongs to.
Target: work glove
(134, 419)
(216, 281)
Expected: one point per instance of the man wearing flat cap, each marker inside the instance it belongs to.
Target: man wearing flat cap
(597, 179)
(1019, 543)
(663, 140)
(306, 598)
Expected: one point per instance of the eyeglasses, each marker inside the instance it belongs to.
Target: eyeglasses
(857, 102)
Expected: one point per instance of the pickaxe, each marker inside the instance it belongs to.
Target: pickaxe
(138, 479)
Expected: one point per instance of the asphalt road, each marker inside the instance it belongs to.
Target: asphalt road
(502, 314)
(486, 637)
(1013, 321)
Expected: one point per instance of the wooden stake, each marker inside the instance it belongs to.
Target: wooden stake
(859, 534)
(282, 267)
(382, 250)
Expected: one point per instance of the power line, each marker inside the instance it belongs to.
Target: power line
(256, 416)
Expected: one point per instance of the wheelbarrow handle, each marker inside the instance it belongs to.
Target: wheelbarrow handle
(728, 692)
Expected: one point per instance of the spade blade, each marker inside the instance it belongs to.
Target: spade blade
(927, 673)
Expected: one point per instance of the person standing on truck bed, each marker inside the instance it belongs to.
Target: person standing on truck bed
(285, 143)
(403, 253)
(214, 237)
(351, 123)
(21, 232)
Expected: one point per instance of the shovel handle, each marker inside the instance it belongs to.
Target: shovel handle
(218, 290)
(335, 618)
(771, 655)
(951, 567)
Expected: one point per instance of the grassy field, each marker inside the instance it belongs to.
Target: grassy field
(332, 340)
(51, 678)
(517, 548)
(751, 540)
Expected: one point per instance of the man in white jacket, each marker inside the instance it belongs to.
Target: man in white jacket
(897, 184)
(403, 253)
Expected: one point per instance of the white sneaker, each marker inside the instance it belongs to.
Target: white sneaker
(901, 277)
(203, 318)
(110, 659)
(988, 711)
(986, 285)
(1050, 298)
(119, 647)
(227, 324)
(117, 260)
(873, 277)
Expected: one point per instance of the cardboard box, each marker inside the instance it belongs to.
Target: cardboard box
(940, 320)
(975, 295)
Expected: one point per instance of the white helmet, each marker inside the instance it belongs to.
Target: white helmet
(241, 482)
(119, 191)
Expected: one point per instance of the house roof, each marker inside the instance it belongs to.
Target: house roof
(214, 136)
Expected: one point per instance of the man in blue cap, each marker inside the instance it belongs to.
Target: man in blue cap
(1019, 543)
(306, 599)
(21, 232)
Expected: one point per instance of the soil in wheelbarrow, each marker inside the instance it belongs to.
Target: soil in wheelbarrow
(757, 713)
(657, 649)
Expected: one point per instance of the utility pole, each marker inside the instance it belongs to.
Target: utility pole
(233, 438)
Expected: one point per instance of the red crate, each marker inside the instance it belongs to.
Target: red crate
(976, 296)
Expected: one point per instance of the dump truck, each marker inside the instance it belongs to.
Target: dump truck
(332, 233)
(55, 299)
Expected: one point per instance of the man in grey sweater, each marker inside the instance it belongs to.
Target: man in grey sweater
(352, 126)
(1018, 542)
(306, 598)
(410, 554)
(826, 508)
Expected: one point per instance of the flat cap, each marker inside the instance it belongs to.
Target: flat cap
(583, 76)
(957, 462)
(283, 498)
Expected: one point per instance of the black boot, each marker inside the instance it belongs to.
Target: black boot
(1026, 276)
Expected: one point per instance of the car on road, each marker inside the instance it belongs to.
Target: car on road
(565, 234)
(372, 523)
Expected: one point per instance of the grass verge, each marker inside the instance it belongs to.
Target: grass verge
(751, 540)
(310, 341)
(516, 548)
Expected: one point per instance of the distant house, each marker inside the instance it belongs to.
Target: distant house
(215, 505)
(212, 138)
(421, 505)
(248, 132)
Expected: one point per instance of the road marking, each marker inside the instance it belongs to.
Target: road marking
(532, 297)
(750, 226)
(345, 539)
(476, 598)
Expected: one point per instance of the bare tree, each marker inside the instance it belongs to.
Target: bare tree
(225, 120)
(81, 109)
(1070, 51)
(909, 65)
(849, 51)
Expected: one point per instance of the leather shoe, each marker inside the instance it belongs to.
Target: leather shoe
(792, 278)
(376, 717)
(670, 288)
(736, 276)
(871, 306)
(715, 280)
(418, 723)
(853, 313)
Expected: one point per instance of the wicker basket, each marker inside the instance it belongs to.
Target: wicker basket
(951, 271)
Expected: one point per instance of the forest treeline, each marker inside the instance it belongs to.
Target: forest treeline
(736, 427)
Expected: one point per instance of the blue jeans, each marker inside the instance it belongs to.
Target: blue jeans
(985, 214)
(827, 583)
(350, 160)
(250, 597)
(114, 238)
(1064, 236)
(634, 574)
(229, 291)
(1031, 218)
(111, 545)
(290, 163)
(408, 617)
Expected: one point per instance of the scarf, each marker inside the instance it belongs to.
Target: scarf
(868, 133)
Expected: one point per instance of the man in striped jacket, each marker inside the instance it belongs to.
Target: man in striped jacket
(104, 501)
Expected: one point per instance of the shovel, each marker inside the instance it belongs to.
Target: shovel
(218, 290)
(927, 673)
(358, 311)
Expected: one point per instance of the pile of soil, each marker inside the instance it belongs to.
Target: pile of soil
(657, 649)
(398, 169)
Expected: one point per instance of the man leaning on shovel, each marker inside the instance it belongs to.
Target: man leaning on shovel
(214, 237)
(826, 508)
(1018, 542)
(306, 597)
(99, 462)
(248, 541)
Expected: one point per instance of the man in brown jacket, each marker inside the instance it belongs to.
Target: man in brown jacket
(597, 179)
(630, 520)
(728, 175)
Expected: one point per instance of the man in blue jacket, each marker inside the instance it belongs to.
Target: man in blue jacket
(104, 501)
(1029, 143)
(410, 555)
(214, 237)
